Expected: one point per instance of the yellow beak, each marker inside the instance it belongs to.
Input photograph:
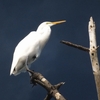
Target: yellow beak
(58, 22)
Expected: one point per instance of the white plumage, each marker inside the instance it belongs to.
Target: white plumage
(29, 48)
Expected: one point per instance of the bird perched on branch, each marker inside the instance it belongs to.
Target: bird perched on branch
(29, 48)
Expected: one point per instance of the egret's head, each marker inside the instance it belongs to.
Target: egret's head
(47, 24)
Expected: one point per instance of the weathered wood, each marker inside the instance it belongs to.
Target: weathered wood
(37, 78)
(93, 55)
(97, 82)
(92, 52)
(93, 46)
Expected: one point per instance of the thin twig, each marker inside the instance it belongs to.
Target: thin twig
(75, 45)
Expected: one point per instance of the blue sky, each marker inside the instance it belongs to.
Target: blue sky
(57, 62)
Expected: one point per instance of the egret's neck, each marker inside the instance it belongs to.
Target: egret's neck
(44, 35)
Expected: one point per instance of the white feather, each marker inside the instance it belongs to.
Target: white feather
(29, 48)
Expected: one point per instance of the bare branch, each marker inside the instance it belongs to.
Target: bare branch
(37, 78)
(57, 86)
(93, 54)
(75, 45)
(93, 46)
(48, 97)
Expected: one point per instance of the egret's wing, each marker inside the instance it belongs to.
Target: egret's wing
(30, 42)
(29, 46)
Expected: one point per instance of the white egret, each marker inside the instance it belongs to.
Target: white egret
(29, 48)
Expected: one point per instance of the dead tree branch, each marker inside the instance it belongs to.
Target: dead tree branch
(37, 78)
(75, 45)
(92, 52)
(93, 55)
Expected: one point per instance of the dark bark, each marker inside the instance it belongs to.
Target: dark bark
(75, 45)
(52, 90)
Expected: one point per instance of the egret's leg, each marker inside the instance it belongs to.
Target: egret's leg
(27, 68)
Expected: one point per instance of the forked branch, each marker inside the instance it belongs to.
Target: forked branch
(92, 52)
(52, 90)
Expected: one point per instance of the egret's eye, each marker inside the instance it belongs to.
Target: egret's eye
(48, 23)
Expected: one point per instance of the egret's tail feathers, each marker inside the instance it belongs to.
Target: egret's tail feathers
(11, 72)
